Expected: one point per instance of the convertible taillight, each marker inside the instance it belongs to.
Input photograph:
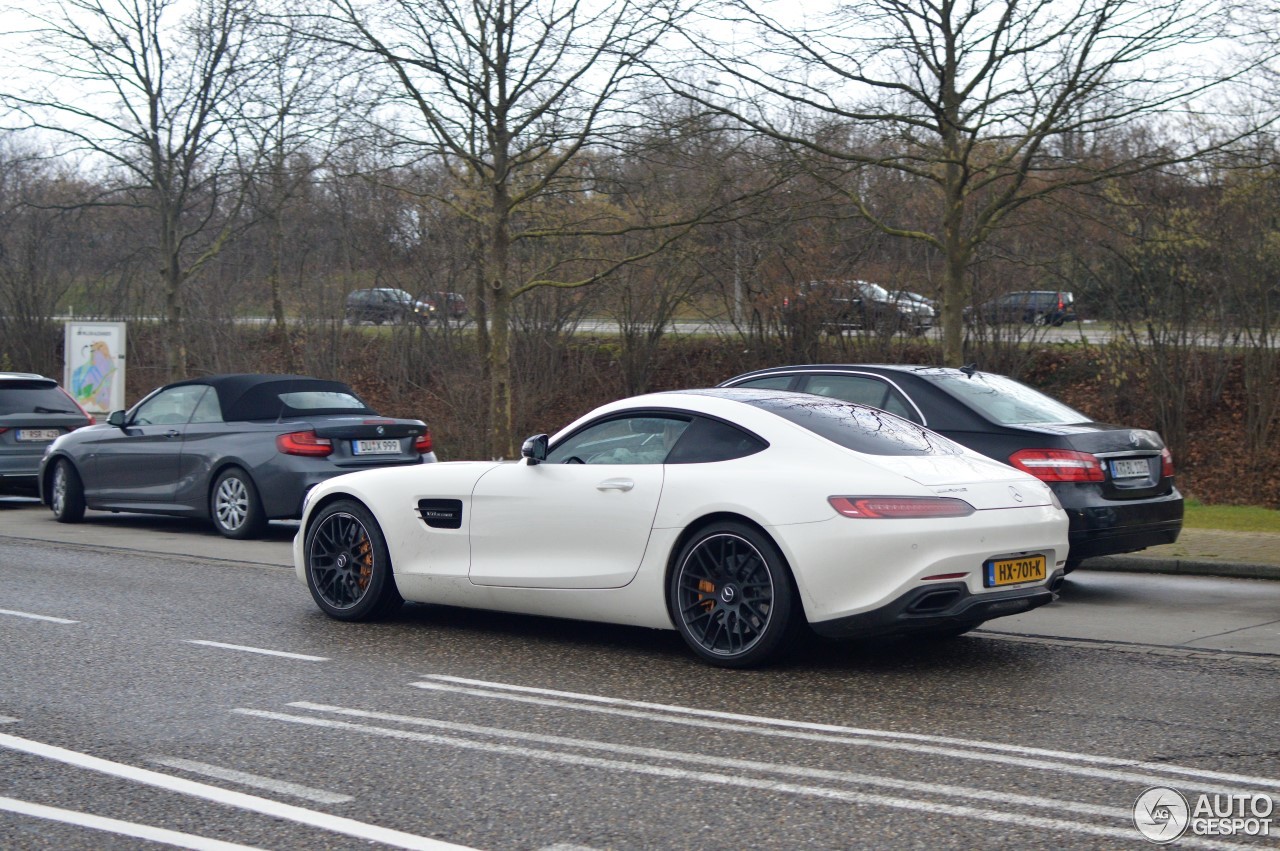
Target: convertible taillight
(890, 507)
(1058, 465)
(423, 444)
(1166, 463)
(304, 443)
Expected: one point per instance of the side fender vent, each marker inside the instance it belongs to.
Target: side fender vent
(441, 513)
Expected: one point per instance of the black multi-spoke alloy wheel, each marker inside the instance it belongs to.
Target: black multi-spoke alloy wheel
(235, 507)
(731, 596)
(66, 493)
(348, 565)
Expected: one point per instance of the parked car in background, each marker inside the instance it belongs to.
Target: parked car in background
(34, 411)
(237, 449)
(1035, 307)
(840, 306)
(733, 516)
(384, 304)
(1115, 482)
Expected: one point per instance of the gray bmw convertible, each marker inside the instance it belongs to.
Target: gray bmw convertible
(237, 449)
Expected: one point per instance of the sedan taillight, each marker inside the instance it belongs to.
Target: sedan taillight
(304, 443)
(1166, 463)
(1058, 465)
(893, 507)
(423, 444)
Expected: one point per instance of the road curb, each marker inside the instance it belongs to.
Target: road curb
(1183, 567)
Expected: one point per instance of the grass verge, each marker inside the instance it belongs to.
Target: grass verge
(1231, 518)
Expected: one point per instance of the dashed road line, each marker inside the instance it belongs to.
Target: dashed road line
(34, 617)
(259, 650)
(281, 787)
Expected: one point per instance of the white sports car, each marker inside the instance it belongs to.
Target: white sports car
(735, 516)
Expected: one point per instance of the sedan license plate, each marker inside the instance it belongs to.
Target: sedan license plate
(376, 447)
(1014, 571)
(1129, 468)
(38, 435)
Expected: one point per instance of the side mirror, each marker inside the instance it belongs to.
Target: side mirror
(116, 418)
(535, 449)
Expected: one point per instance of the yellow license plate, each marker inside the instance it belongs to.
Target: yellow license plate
(1015, 571)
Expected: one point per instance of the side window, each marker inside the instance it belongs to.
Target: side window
(770, 382)
(711, 440)
(623, 440)
(169, 407)
(208, 410)
(863, 390)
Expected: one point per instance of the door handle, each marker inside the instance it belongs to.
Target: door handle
(173, 432)
(616, 485)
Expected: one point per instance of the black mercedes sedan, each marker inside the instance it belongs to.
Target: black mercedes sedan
(1115, 482)
(237, 449)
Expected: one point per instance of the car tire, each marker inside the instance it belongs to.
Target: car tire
(732, 597)
(234, 505)
(348, 567)
(66, 493)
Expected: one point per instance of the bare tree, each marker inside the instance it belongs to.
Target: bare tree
(147, 93)
(991, 103)
(509, 95)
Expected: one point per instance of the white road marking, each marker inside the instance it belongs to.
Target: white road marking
(853, 735)
(985, 795)
(262, 651)
(859, 798)
(8, 719)
(30, 616)
(282, 787)
(123, 828)
(240, 800)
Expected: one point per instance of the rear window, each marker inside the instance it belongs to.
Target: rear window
(857, 427)
(1005, 401)
(34, 397)
(322, 400)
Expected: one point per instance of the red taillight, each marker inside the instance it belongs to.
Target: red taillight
(1058, 465)
(892, 507)
(423, 444)
(304, 443)
(1166, 463)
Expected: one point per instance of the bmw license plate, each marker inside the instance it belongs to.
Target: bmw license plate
(385, 446)
(38, 435)
(1128, 468)
(1014, 571)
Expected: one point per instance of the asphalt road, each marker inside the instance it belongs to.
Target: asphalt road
(195, 696)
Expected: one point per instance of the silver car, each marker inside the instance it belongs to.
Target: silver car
(237, 449)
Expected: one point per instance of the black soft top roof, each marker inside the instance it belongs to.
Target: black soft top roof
(257, 397)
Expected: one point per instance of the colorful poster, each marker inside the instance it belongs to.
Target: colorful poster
(94, 370)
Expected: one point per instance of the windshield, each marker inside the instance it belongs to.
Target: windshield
(857, 427)
(1006, 401)
(874, 290)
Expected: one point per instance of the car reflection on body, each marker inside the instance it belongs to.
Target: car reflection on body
(1115, 482)
(733, 516)
(237, 449)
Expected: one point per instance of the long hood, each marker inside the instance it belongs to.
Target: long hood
(979, 481)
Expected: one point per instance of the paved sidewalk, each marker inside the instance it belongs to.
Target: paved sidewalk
(1203, 552)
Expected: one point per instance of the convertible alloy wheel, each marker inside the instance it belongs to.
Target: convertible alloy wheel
(348, 567)
(235, 507)
(731, 596)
